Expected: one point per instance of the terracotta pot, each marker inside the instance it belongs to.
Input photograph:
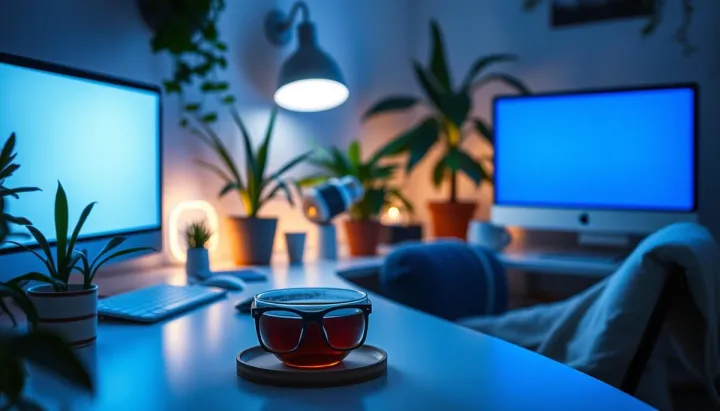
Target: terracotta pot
(451, 219)
(363, 237)
(252, 239)
(72, 314)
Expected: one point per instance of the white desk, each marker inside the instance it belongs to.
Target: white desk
(188, 363)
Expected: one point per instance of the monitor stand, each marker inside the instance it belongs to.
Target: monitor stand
(603, 240)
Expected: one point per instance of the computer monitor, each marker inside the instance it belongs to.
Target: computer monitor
(99, 136)
(608, 162)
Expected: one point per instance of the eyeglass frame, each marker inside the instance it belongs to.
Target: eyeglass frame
(310, 317)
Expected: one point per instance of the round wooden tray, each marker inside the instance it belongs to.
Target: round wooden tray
(363, 364)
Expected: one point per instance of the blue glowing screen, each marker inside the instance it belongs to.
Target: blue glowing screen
(99, 140)
(631, 150)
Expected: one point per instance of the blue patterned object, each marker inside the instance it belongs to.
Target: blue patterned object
(449, 279)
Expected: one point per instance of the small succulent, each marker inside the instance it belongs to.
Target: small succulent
(197, 234)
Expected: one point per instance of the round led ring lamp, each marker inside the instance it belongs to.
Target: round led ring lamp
(310, 80)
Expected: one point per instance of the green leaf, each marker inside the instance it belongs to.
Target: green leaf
(391, 104)
(7, 150)
(265, 147)
(289, 165)
(114, 243)
(4, 309)
(484, 130)
(339, 162)
(214, 169)
(192, 107)
(61, 228)
(430, 86)
(13, 290)
(354, 155)
(228, 100)
(402, 143)
(423, 139)
(118, 254)
(172, 87)
(438, 63)
(48, 262)
(230, 186)
(209, 118)
(375, 199)
(8, 171)
(251, 168)
(214, 142)
(511, 81)
(439, 172)
(457, 107)
(14, 219)
(4, 192)
(383, 172)
(458, 160)
(50, 352)
(184, 122)
(311, 181)
(14, 381)
(280, 186)
(221, 46)
(484, 62)
(78, 227)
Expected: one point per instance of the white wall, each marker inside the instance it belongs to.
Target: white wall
(606, 54)
(368, 38)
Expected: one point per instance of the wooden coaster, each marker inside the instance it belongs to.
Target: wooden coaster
(363, 364)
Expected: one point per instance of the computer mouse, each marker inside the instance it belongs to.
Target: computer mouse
(227, 282)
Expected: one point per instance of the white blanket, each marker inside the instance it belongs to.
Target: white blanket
(597, 331)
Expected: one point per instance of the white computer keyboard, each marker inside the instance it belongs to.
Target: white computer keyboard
(158, 302)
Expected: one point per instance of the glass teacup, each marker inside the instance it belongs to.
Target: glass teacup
(311, 327)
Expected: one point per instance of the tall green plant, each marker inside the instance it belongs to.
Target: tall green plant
(451, 106)
(257, 186)
(44, 349)
(374, 177)
(188, 31)
(7, 168)
(67, 259)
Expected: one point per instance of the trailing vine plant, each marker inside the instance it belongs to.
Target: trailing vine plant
(188, 31)
(681, 33)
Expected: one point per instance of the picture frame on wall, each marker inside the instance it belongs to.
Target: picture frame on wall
(573, 12)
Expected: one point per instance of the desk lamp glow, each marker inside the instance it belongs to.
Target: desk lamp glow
(310, 80)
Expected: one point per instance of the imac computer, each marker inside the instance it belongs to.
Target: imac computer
(606, 164)
(99, 136)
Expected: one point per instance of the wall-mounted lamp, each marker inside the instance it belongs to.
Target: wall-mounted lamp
(310, 80)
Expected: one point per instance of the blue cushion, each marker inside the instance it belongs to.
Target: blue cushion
(448, 279)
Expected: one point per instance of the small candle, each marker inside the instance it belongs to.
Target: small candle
(392, 216)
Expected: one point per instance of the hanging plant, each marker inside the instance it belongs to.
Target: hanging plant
(188, 31)
(681, 33)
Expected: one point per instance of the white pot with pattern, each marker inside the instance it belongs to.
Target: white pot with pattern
(72, 314)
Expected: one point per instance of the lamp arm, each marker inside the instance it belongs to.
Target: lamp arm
(298, 7)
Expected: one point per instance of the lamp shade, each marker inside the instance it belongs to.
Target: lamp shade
(310, 80)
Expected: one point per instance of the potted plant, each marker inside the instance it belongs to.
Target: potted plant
(44, 349)
(363, 228)
(187, 30)
(197, 236)
(253, 237)
(7, 168)
(451, 106)
(67, 308)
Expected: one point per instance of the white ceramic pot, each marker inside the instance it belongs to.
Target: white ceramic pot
(72, 314)
(198, 262)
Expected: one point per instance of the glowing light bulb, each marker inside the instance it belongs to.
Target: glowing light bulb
(311, 95)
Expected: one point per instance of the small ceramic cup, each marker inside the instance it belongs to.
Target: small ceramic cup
(295, 243)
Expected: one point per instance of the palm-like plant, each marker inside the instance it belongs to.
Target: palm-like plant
(7, 168)
(44, 349)
(67, 259)
(197, 234)
(257, 187)
(451, 106)
(374, 177)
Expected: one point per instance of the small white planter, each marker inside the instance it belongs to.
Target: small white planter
(198, 262)
(72, 314)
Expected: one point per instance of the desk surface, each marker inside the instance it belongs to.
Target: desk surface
(188, 363)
